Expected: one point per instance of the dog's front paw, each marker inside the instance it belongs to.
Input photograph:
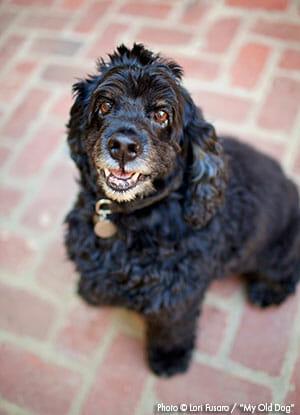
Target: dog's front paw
(265, 295)
(168, 363)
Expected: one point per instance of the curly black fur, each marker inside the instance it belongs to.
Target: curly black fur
(234, 212)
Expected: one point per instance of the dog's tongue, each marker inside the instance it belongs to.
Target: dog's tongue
(120, 174)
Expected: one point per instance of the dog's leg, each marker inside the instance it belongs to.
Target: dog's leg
(279, 269)
(264, 293)
(170, 341)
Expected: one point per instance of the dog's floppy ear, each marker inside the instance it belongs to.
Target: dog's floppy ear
(79, 117)
(206, 175)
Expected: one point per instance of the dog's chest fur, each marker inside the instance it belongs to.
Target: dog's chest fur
(152, 263)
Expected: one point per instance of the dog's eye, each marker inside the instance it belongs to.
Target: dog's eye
(161, 117)
(105, 107)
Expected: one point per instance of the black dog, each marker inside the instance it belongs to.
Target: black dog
(165, 206)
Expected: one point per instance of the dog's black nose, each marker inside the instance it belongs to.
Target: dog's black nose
(124, 148)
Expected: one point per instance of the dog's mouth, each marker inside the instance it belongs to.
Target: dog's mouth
(120, 180)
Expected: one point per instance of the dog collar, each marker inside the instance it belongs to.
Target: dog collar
(105, 228)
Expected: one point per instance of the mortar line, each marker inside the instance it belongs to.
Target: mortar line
(147, 397)
(235, 369)
(12, 408)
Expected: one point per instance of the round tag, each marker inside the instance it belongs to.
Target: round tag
(105, 229)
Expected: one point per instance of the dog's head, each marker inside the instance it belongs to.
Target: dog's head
(133, 124)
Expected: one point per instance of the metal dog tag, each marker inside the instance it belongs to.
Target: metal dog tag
(103, 227)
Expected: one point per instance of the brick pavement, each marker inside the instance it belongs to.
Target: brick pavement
(58, 356)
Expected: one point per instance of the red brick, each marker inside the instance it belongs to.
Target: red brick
(220, 35)
(25, 67)
(278, 30)
(36, 384)
(72, 4)
(213, 322)
(226, 287)
(293, 395)
(162, 36)
(263, 336)
(63, 73)
(40, 3)
(38, 150)
(6, 18)
(4, 155)
(122, 374)
(134, 8)
(194, 13)
(24, 313)
(56, 272)
(53, 200)
(15, 254)
(61, 107)
(249, 65)
(223, 106)
(10, 86)
(107, 42)
(48, 21)
(259, 4)
(93, 16)
(281, 106)
(26, 113)
(10, 47)
(84, 329)
(55, 46)
(9, 200)
(290, 59)
(198, 68)
(203, 384)
(11, 83)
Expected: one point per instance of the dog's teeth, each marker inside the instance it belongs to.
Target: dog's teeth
(106, 172)
(135, 176)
